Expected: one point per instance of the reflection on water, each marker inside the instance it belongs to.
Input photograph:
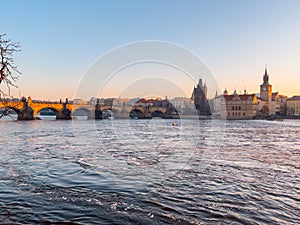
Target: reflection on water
(149, 172)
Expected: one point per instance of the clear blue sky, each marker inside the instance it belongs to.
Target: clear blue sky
(60, 39)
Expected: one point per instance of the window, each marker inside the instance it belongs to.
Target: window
(244, 114)
(239, 107)
(232, 107)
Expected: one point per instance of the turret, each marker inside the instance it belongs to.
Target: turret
(200, 84)
(205, 89)
(225, 92)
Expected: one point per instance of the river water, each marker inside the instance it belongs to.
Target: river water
(149, 172)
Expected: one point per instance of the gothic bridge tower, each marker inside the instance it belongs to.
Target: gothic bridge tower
(199, 97)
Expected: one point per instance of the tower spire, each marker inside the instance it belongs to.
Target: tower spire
(200, 84)
(266, 69)
(266, 76)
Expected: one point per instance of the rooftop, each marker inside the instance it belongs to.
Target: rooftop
(242, 97)
(294, 98)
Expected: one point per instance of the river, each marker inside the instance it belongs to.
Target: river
(149, 172)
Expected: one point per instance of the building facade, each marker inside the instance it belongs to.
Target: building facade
(293, 106)
(265, 104)
(280, 104)
(238, 107)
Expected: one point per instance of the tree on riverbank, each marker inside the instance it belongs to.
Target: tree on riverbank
(8, 70)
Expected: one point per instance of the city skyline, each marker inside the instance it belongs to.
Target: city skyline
(60, 40)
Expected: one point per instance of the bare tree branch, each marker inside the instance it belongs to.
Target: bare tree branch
(7, 66)
(9, 72)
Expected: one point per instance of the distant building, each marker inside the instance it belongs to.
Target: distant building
(199, 97)
(280, 103)
(121, 101)
(293, 106)
(270, 103)
(237, 106)
(93, 101)
(108, 101)
(218, 104)
(80, 102)
(249, 106)
(182, 103)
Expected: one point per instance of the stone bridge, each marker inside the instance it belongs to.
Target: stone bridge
(28, 109)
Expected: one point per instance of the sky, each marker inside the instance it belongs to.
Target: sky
(61, 40)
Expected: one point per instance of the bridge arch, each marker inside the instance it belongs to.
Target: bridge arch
(12, 108)
(157, 113)
(88, 112)
(17, 111)
(50, 112)
(108, 113)
(136, 114)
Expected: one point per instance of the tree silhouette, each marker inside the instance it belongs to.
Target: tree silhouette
(8, 70)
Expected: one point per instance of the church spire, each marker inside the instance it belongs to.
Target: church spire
(266, 69)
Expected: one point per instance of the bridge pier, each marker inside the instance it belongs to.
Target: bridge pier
(64, 114)
(26, 114)
(98, 112)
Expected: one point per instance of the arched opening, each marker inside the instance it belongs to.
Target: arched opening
(9, 113)
(136, 114)
(108, 114)
(47, 114)
(157, 113)
(82, 114)
(174, 114)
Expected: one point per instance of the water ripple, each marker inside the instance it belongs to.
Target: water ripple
(145, 172)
